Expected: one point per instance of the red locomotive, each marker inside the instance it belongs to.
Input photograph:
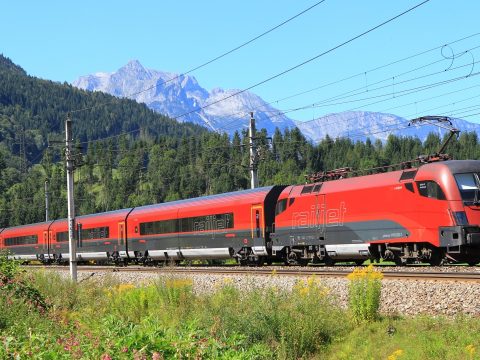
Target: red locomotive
(425, 214)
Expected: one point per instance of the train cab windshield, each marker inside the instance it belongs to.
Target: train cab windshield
(468, 184)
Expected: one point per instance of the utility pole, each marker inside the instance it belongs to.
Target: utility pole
(253, 154)
(70, 160)
(47, 200)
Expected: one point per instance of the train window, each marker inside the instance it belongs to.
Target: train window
(317, 188)
(62, 236)
(430, 189)
(206, 223)
(21, 240)
(307, 189)
(467, 185)
(95, 233)
(281, 206)
(408, 175)
(409, 186)
(190, 224)
(291, 201)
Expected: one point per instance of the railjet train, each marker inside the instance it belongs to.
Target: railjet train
(426, 214)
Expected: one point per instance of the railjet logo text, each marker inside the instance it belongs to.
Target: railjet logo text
(319, 217)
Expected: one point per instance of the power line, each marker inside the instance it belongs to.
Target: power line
(303, 63)
(212, 60)
(397, 95)
(326, 102)
(364, 73)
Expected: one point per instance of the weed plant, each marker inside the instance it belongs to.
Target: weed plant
(364, 293)
(168, 320)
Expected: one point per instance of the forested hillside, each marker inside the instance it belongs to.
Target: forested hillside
(162, 162)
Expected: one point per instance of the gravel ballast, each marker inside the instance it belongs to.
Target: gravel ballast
(404, 297)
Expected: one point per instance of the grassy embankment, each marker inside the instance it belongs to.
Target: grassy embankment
(43, 316)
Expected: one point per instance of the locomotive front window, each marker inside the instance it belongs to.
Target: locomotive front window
(430, 189)
(467, 184)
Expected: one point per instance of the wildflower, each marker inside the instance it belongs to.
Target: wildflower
(396, 354)
(106, 357)
(178, 283)
(157, 356)
(470, 350)
(364, 293)
(227, 281)
(124, 287)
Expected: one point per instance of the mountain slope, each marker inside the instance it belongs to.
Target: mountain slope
(176, 95)
(34, 110)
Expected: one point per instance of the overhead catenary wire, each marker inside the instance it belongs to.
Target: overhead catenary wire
(324, 102)
(290, 69)
(273, 77)
(456, 56)
(211, 60)
(397, 95)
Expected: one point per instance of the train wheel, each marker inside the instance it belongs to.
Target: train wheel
(328, 261)
(436, 259)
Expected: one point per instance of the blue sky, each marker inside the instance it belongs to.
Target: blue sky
(62, 40)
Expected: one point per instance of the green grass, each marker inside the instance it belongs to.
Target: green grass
(418, 338)
(167, 320)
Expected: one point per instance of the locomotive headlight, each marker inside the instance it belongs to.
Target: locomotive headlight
(460, 217)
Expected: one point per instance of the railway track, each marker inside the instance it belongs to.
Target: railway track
(277, 271)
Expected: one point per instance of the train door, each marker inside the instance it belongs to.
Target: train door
(46, 244)
(320, 217)
(122, 236)
(257, 225)
(80, 236)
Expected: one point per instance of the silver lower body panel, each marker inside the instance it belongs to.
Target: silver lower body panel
(179, 254)
(348, 251)
(260, 250)
(125, 254)
(87, 256)
(23, 257)
(214, 253)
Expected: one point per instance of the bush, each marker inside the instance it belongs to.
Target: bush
(294, 324)
(364, 293)
(13, 284)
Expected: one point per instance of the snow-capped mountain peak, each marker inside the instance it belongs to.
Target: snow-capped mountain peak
(181, 97)
(174, 95)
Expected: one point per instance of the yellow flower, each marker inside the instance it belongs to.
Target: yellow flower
(227, 281)
(470, 350)
(367, 273)
(178, 283)
(395, 355)
(124, 287)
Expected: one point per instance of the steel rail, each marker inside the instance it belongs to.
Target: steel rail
(300, 272)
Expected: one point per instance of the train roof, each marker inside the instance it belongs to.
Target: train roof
(112, 213)
(462, 166)
(254, 195)
(430, 170)
(26, 226)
